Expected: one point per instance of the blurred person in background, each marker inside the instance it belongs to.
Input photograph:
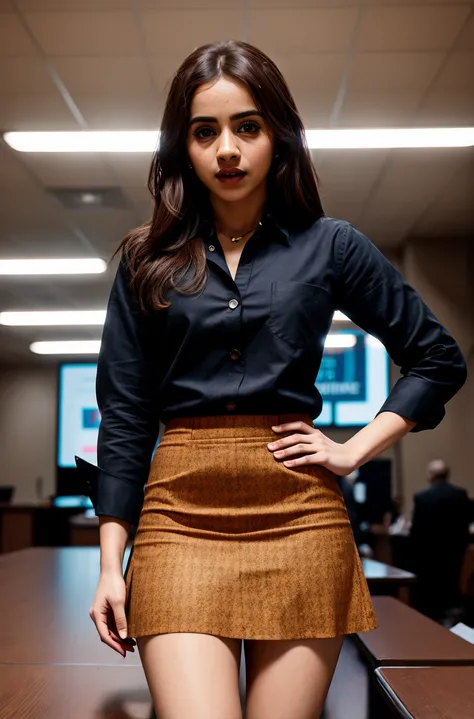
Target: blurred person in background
(216, 325)
(439, 536)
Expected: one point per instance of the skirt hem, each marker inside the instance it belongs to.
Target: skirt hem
(256, 635)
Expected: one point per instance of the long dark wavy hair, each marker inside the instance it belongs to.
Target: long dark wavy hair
(160, 253)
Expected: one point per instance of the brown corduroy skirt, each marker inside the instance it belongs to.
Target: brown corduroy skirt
(231, 542)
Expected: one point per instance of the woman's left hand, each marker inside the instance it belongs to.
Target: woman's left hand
(315, 447)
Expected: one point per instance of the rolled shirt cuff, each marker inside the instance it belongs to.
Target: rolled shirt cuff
(416, 399)
(110, 495)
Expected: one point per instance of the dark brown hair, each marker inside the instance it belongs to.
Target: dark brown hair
(163, 250)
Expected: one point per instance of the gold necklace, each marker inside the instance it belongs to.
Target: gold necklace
(237, 238)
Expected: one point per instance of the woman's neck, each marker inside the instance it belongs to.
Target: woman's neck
(235, 217)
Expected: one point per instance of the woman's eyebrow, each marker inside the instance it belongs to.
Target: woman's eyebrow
(237, 116)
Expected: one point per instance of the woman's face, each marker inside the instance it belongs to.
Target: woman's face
(218, 140)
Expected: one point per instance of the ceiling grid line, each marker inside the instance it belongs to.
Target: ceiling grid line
(346, 73)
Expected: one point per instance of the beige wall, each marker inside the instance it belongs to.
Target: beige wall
(27, 429)
(440, 272)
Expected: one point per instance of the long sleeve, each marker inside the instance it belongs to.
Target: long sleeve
(125, 390)
(373, 294)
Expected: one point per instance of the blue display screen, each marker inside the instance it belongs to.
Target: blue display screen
(353, 380)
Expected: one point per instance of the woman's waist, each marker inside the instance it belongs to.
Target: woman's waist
(238, 425)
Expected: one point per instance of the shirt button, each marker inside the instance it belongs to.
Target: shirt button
(234, 354)
(233, 304)
(231, 406)
(211, 248)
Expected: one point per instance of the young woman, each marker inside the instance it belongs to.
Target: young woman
(215, 326)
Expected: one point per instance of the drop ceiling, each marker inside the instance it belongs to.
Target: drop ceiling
(105, 64)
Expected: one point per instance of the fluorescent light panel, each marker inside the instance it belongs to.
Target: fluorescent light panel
(70, 266)
(147, 140)
(49, 318)
(73, 317)
(72, 347)
(69, 347)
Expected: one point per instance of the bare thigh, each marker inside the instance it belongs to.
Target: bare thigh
(192, 675)
(289, 678)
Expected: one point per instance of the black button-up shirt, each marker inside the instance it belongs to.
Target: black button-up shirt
(254, 346)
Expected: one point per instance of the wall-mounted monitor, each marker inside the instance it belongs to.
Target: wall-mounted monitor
(353, 380)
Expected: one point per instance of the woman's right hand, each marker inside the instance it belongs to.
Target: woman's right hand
(108, 613)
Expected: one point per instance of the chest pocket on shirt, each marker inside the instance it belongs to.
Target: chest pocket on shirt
(300, 313)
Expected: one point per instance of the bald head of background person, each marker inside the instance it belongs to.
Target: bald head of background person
(438, 471)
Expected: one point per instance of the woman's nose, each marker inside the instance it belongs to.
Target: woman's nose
(227, 147)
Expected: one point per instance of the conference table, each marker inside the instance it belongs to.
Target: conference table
(52, 661)
(427, 692)
(45, 601)
(385, 579)
(51, 656)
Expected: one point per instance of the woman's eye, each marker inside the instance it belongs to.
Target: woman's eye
(247, 127)
(199, 132)
(252, 125)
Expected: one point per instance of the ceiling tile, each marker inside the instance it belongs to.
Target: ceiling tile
(410, 28)
(70, 169)
(104, 75)
(163, 68)
(450, 100)
(181, 31)
(324, 76)
(35, 112)
(348, 174)
(25, 75)
(419, 2)
(104, 227)
(314, 114)
(274, 4)
(188, 4)
(302, 30)
(130, 169)
(74, 5)
(13, 173)
(142, 202)
(86, 33)
(394, 71)
(466, 38)
(456, 74)
(414, 178)
(111, 112)
(384, 109)
(387, 88)
(14, 40)
(452, 211)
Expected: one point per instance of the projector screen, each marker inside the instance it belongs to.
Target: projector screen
(353, 380)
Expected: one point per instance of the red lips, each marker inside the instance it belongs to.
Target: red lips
(229, 172)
